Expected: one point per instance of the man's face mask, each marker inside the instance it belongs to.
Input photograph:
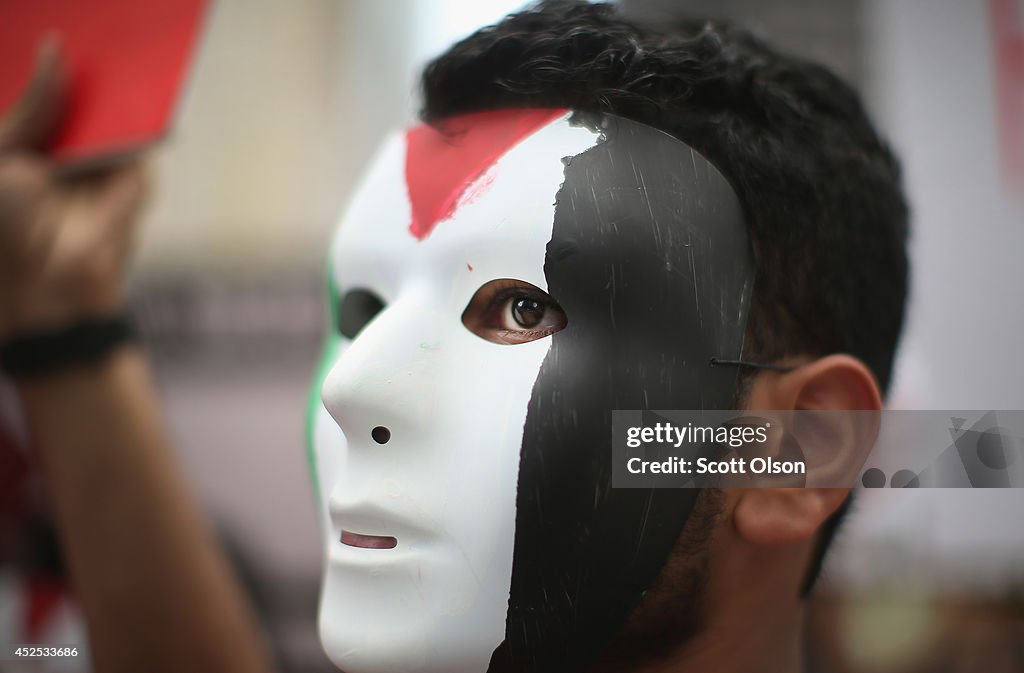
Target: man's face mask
(499, 286)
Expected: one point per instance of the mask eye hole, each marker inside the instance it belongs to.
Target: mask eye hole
(357, 308)
(507, 311)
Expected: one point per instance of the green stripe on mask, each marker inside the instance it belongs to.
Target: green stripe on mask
(332, 341)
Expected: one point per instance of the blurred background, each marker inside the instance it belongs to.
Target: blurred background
(287, 102)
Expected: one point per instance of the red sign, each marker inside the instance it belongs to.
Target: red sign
(126, 60)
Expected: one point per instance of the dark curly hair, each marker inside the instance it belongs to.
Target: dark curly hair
(821, 191)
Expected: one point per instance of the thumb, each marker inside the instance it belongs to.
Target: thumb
(34, 118)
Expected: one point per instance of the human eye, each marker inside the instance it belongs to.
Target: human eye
(507, 311)
(356, 308)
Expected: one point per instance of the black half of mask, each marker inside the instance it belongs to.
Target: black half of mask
(649, 258)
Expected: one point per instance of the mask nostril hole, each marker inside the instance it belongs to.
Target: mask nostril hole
(380, 434)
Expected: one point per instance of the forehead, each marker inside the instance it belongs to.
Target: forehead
(480, 186)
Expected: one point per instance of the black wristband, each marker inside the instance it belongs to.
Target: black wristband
(44, 351)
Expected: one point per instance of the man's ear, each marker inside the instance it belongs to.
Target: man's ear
(773, 516)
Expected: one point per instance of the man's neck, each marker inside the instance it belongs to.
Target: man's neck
(770, 642)
(754, 619)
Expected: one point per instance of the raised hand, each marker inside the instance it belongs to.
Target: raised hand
(64, 236)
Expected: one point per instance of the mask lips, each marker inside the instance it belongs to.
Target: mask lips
(368, 541)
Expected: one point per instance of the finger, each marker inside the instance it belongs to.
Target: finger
(113, 189)
(123, 195)
(24, 180)
(105, 206)
(35, 117)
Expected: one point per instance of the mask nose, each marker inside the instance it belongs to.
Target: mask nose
(383, 385)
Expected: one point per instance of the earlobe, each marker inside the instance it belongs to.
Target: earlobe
(781, 516)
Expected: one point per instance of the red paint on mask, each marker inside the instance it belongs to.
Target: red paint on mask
(442, 162)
